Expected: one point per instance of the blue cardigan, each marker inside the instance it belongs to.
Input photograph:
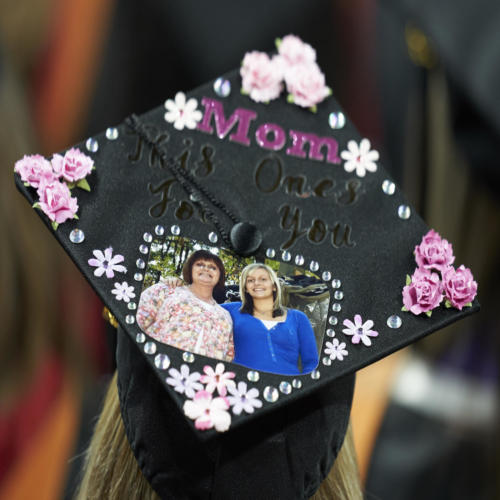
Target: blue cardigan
(276, 350)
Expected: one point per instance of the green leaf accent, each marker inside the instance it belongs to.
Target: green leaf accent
(71, 185)
(429, 314)
(469, 304)
(83, 184)
(27, 184)
(289, 98)
(277, 42)
(314, 108)
(408, 280)
(55, 225)
(330, 91)
(36, 205)
(243, 92)
(447, 304)
(404, 309)
(76, 217)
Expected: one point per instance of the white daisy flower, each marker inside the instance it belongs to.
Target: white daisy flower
(243, 399)
(184, 382)
(123, 292)
(182, 113)
(360, 158)
(217, 379)
(360, 331)
(208, 412)
(336, 350)
(105, 262)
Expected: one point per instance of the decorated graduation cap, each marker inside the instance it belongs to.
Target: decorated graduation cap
(257, 166)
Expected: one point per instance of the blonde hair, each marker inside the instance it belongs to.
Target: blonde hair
(111, 470)
(246, 299)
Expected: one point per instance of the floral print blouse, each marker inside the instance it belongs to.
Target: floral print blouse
(175, 316)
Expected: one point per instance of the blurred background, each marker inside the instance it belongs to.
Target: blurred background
(420, 79)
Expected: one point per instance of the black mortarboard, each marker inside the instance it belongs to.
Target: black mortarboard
(261, 165)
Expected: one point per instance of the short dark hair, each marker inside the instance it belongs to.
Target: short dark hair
(187, 270)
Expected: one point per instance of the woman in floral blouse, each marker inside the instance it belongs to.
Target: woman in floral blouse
(188, 317)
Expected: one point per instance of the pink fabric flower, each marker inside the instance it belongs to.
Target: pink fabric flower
(73, 166)
(217, 379)
(106, 262)
(434, 252)
(208, 412)
(56, 201)
(360, 331)
(34, 169)
(261, 76)
(459, 286)
(306, 84)
(424, 293)
(295, 51)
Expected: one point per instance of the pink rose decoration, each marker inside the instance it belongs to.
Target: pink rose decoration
(33, 169)
(306, 85)
(459, 286)
(56, 201)
(261, 76)
(295, 51)
(434, 252)
(73, 166)
(424, 293)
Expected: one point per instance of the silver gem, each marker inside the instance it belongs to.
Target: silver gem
(162, 361)
(336, 307)
(338, 295)
(144, 249)
(112, 133)
(327, 361)
(132, 306)
(222, 87)
(140, 338)
(315, 375)
(148, 237)
(285, 387)
(333, 320)
(326, 276)
(296, 383)
(175, 230)
(270, 253)
(188, 357)
(129, 319)
(313, 266)
(149, 347)
(138, 277)
(388, 187)
(212, 237)
(159, 230)
(404, 212)
(285, 256)
(394, 321)
(253, 376)
(194, 197)
(76, 236)
(330, 332)
(92, 145)
(336, 120)
(299, 260)
(140, 263)
(336, 284)
(271, 394)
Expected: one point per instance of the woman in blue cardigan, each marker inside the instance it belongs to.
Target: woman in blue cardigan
(268, 336)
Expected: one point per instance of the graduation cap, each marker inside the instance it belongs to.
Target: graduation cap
(259, 166)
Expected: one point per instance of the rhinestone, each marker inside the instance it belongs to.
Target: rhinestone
(394, 321)
(296, 383)
(140, 263)
(314, 266)
(299, 260)
(326, 276)
(140, 338)
(138, 277)
(270, 253)
(333, 320)
(330, 332)
(132, 306)
(336, 284)
(112, 133)
(404, 212)
(253, 376)
(285, 256)
(162, 361)
(92, 145)
(271, 394)
(336, 307)
(129, 319)
(285, 387)
(315, 375)
(149, 347)
(388, 187)
(175, 230)
(148, 237)
(336, 120)
(194, 197)
(144, 249)
(222, 87)
(212, 237)
(76, 236)
(188, 357)
(327, 361)
(338, 295)
(159, 230)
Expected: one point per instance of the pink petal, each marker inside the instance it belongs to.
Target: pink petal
(358, 321)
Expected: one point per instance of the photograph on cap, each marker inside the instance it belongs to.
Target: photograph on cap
(268, 316)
